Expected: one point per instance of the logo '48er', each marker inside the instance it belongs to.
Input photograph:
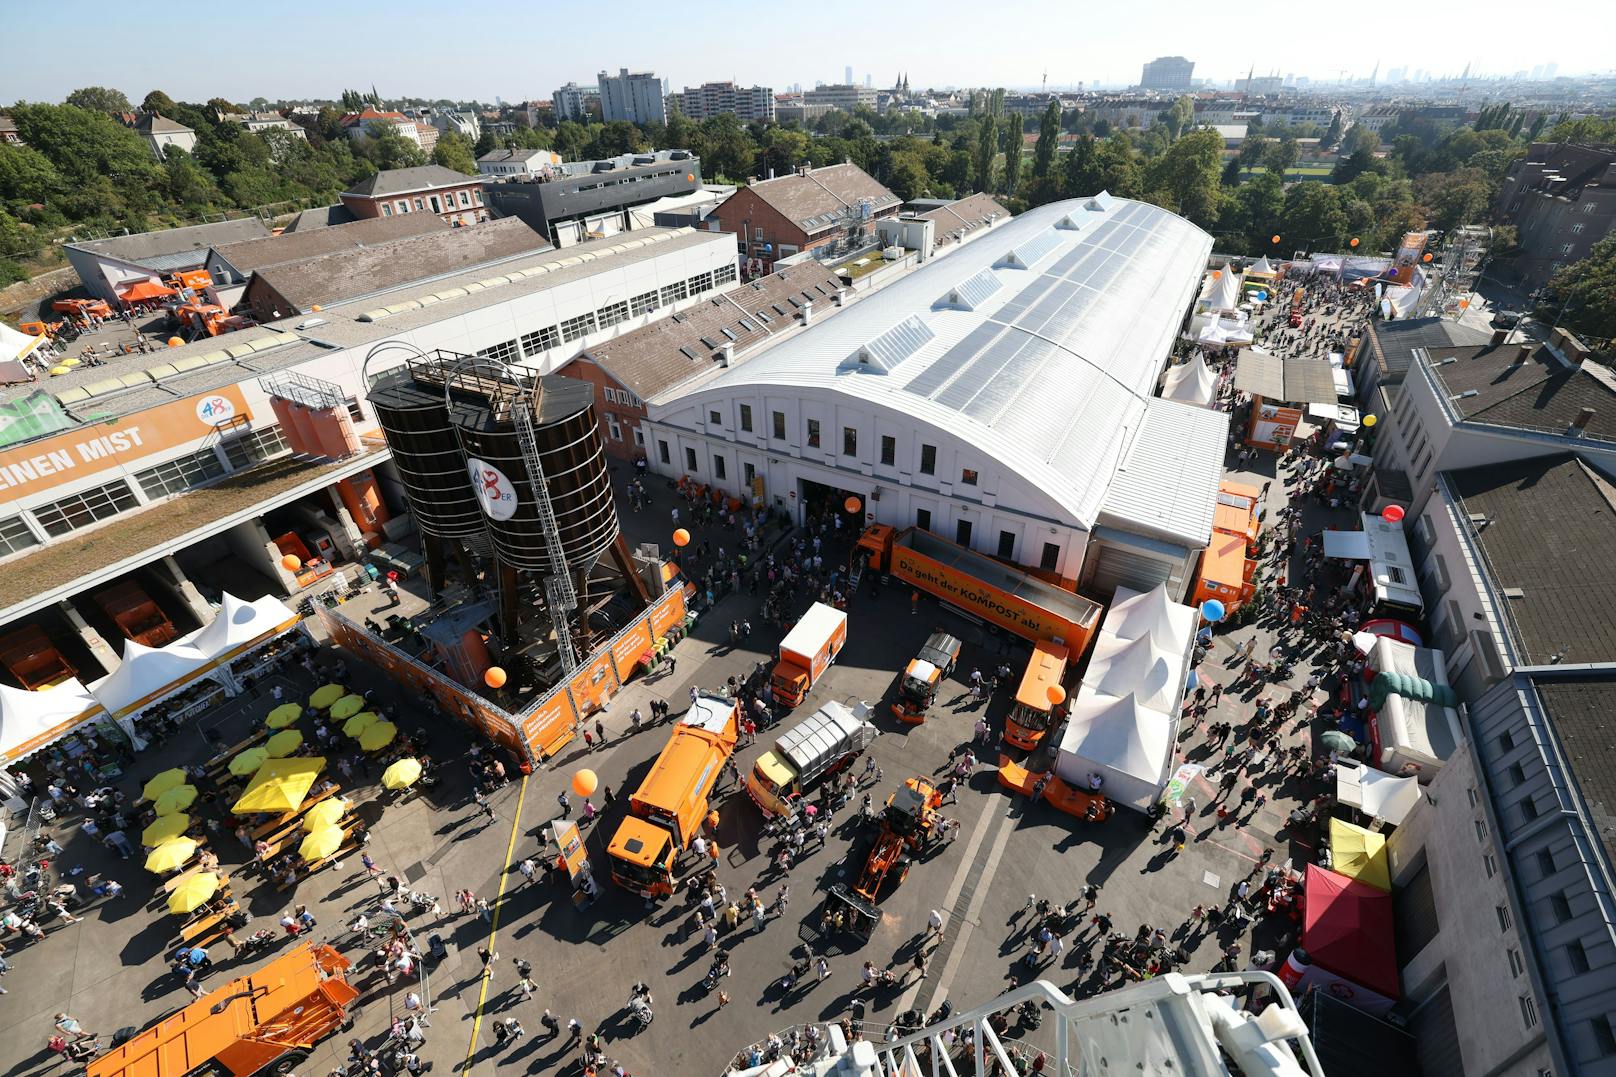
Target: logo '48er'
(494, 490)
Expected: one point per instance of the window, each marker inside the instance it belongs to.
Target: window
(1528, 1011)
(1506, 741)
(1517, 775)
(1050, 558)
(928, 459)
(1529, 809)
(672, 293)
(1007, 545)
(541, 340)
(177, 476)
(505, 351)
(714, 417)
(419, 204)
(746, 417)
(701, 282)
(690, 460)
(613, 428)
(923, 519)
(465, 199)
(1577, 956)
(81, 510)
(639, 437)
(15, 535)
(1545, 862)
(581, 326)
(1565, 248)
(1481, 831)
(1561, 906)
(1503, 917)
(813, 433)
(1576, 229)
(718, 467)
(1489, 864)
(1589, 207)
(724, 274)
(255, 448)
(748, 474)
(613, 313)
(757, 235)
(889, 449)
(387, 210)
(403, 206)
(437, 207)
(662, 451)
(779, 422)
(1604, 1037)
(962, 533)
(1516, 965)
(849, 441)
(645, 303)
(1470, 795)
(967, 477)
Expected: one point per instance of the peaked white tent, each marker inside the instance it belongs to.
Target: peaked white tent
(1129, 746)
(1134, 614)
(31, 720)
(15, 345)
(1191, 383)
(241, 624)
(1224, 294)
(1261, 267)
(1149, 672)
(148, 673)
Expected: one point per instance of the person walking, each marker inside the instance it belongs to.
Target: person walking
(934, 924)
(528, 870)
(566, 804)
(600, 732)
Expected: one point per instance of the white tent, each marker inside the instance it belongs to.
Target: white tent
(31, 720)
(1191, 383)
(241, 624)
(147, 673)
(15, 345)
(1376, 793)
(1128, 745)
(1224, 294)
(1263, 266)
(1134, 614)
(1150, 672)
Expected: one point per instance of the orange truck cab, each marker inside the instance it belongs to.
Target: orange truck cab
(917, 688)
(266, 1022)
(1237, 513)
(807, 652)
(666, 812)
(1226, 574)
(1034, 711)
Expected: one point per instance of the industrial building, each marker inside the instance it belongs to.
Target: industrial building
(108, 267)
(1167, 73)
(999, 397)
(828, 210)
(579, 200)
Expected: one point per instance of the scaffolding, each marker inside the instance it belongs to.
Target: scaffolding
(1458, 266)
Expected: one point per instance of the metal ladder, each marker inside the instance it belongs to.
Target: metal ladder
(558, 590)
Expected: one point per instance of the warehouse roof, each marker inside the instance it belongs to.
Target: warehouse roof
(319, 217)
(965, 216)
(1392, 343)
(1040, 343)
(193, 239)
(1497, 385)
(295, 246)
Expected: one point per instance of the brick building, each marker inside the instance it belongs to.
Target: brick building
(457, 198)
(1562, 199)
(828, 210)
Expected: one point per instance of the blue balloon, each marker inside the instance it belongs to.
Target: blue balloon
(1212, 610)
(1261, 295)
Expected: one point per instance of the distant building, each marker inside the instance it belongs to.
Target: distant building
(259, 122)
(516, 162)
(1258, 85)
(1562, 200)
(827, 210)
(747, 103)
(8, 132)
(794, 106)
(1167, 73)
(426, 135)
(160, 132)
(465, 122)
(457, 198)
(843, 98)
(965, 219)
(579, 200)
(109, 266)
(632, 96)
(573, 102)
(369, 121)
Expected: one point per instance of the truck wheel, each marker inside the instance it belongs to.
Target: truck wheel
(287, 1063)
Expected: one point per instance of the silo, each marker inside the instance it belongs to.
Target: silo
(426, 453)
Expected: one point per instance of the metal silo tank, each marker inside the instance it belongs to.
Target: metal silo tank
(427, 455)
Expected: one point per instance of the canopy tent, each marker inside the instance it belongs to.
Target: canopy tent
(280, 785)
(30, 721)
(1153, 674)
(1360, 854)
(1347, 930)
(1127, 745)
(148, 673)
(1224, 291)
(1289, 381)
(1191, 383)
(1262, 267)
(1217, 333)
(1376, 793)
(239, 625)
(1153, 613)
(1415, 724)
(144, 289)
(1384, 545)
(14, 345)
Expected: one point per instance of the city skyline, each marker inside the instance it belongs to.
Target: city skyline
(408, 56)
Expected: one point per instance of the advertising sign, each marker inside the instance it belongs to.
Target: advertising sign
(493, 488)
(984, 600)
(668, 612)
(627, 649)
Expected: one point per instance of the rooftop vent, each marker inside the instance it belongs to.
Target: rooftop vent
(1513, 592)
(883, 354)
(972, 292)
(1580, 423)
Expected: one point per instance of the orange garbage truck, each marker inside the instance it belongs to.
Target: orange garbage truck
(266, 1022)
(666, 812)
(923, 677)
(807, 652)
(1229, 564)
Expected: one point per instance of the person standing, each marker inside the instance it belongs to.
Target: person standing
(566, 804)
(934, 924)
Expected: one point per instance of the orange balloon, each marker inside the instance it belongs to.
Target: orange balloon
(1427, 256)
(1057, 694)
(585, 782)
(1216, 273)
(681, 537)
(175, 342)
(1464, 304)
(290, 563)
(1352, 242)
(315, 308)
(852, 504)
(494, 677)
(1276, 239)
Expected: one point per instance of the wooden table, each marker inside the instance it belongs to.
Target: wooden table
(221, 761)
(350, 845)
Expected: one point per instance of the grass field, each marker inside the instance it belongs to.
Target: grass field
(1299, 172)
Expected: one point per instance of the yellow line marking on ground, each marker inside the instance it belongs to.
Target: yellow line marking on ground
(493, 930)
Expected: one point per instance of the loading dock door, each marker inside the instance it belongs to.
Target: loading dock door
(1121, 559)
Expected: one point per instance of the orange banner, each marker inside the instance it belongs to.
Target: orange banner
(63, 458)
(551, 725)
(669, 611)
(627, 650)
(594, 684)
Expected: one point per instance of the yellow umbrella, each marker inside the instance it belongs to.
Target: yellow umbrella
(279, 786)
(175, 800)
(326, 813)
(283, 716)
(347, 707)
(249, 761)
(359, 723)
(190, 894)
(162, 783)
(326, 695)
(321, 843)
(58, 370)
(283, 744)
(377, 736)
(165, 828)
(402, 774)
(170, 855)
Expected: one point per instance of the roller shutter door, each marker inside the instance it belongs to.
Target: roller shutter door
(1436, 1036)
(1119, 559)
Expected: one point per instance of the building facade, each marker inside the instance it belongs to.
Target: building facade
(1167, 73)
(572, 102)
(826, 210)
(160, 133)
(455, 197)
(633, 96)
(371, 122)
(576, 200)
(746, 103)
(1562, 200)
(842, 98)
(516, 162)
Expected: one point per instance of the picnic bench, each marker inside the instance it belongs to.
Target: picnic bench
(221, 762)
(290, 818)
(350, 846)
(197, 927)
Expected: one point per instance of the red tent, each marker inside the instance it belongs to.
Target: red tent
(145, 289)
(1347, 930)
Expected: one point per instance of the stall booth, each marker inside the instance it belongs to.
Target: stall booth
(1281, 391)
(1347, 946)
(1360, 854)
(1191, 382)
(1387, 578)
(245, 638)
(1413, 715)
(1374, 793)
(55, 717)
(179, 676)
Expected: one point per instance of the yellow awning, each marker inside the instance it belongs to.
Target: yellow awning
(189, 895)
(249, 761)
(328, 812)
(164, 829)
(283, 716)
(170, 855)
(321, 843)
(162, 783)
(359, 723)
(280, 785)
(1359, 854)
(283, 743)
(402, 774)
(378, 736)
(175, 800)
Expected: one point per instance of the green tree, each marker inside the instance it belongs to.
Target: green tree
(83, 143)
(1043, 158)
(1360, 139)
(1014, 139)
(907, 178)
(1582, 296)
(1178, 117)
(570, 139)
(159, 102)
(1188, 175)
(188, 183)
(454, 151)
(986, 148)
(27, 176)
(1314, 217)
(387, 149)
(1455, 198)
(98, 99)
(1120, 169)
(1282, 154)
(1083, 176)
(727, 149)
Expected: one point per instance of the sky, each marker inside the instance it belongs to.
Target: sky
(523, 51)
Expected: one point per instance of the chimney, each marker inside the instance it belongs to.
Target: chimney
(807, 312)
(726, 354)
(1580, 423)
(1523, 352)
(840, 297)
(1499, 336)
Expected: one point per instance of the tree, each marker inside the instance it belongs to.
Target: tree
(1455, 198)
(1314, 217)
(454, 151)
(727, 149)
(907, 177)
(1043, 158)
(1281, 155)
(1332, 134)
(388, 149)
(1119, 167)
(159, 102)
(784, 150)
(1360, 139)
(1013, 141)
(220, 106)
(27, 176)
(98, 99)
(1178, 117)
(1083, 175)
(1188, 174)
(1582, 296)
(986, 148)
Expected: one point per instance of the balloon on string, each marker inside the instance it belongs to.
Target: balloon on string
(1212, 610)
(1392, 514)
(175, 342)
(852, 504)
(1370, 420)
(1057, 694)
(681, 537)
(1352, 242)
(290, 563)
(494, 677)
(1275, 239)
(584, 783)
(1428, 256)
(1261, 295)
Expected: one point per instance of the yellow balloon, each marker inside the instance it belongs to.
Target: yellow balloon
(1370, 420)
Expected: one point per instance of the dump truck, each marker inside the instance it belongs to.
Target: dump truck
(982, 587)
(807, 652)
(824, 743)
(917, 688)
(266, 1022)
(666, 812)
(136, 615)
(30, 656)
(908, 822)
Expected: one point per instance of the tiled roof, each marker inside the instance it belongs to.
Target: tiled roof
(1393, 343)
(966, 215)
(1548, 528)
(319, 217)
(367, 115)
(813, 200)
(1580, 712)
(398, 180)
(655, 358)
(145, 246)
(1490, 384)
(150, 123)
(296, 246)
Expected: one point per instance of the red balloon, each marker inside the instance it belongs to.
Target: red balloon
(1392, 514)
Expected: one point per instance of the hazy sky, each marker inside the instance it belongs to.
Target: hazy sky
(455, 49)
